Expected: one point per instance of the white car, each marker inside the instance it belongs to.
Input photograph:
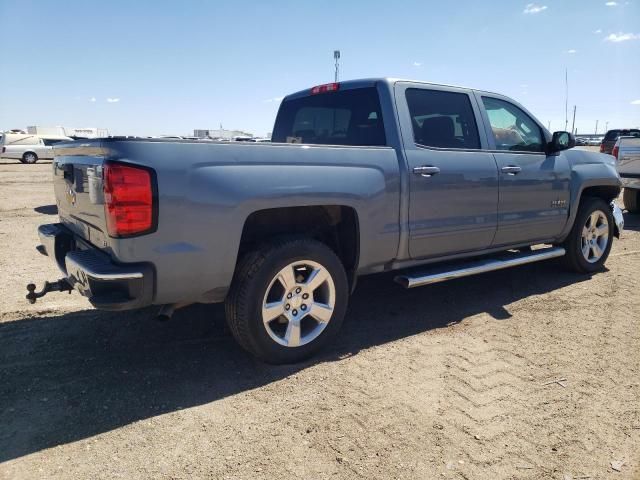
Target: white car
(29, 148)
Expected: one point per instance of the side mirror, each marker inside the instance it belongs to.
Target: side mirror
(561, 141)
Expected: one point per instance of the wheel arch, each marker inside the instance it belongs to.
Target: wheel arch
(598, 180)
(335, 225)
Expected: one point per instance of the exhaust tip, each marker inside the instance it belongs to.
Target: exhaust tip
(165, 313)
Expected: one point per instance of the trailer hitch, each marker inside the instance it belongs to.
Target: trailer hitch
(61, 285)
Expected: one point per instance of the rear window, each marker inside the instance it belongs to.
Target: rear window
(614, 134)
(349, 117)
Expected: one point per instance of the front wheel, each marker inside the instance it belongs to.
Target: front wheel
(288, 299)
(589, 243)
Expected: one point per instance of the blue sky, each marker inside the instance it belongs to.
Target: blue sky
(161, 67)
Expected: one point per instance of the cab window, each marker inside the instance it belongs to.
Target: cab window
(442, 119)
(513, 130)
(349, 117)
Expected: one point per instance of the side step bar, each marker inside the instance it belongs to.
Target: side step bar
(506, 260)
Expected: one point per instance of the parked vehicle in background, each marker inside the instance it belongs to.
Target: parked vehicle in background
(29, 148)
(627, 153)
(594, 142)
(611, 137)
(581, 141)
(363, 176)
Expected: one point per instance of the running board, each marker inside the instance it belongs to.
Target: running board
(505, 260)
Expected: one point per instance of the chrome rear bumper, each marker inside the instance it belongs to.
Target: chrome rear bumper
(108, 285)
(618, 218)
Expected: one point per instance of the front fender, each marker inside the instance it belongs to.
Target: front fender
(586, 176)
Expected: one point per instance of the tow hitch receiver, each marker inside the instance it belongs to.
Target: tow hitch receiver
(61, 285)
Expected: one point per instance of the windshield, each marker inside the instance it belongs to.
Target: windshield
(349, 117)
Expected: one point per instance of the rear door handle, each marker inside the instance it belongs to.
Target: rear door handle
(511, 169)
(426, 171)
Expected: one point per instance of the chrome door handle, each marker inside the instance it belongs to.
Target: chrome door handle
(426, 171)
(511, 169)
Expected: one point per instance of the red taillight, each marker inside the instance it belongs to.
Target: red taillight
(128, 200)
(614, 152)
(602, 148)
(327, 87)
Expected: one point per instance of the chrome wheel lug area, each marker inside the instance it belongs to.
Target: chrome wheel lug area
(299, 303)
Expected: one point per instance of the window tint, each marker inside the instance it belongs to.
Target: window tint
(442, 119)
(349, 117)
(512, 128)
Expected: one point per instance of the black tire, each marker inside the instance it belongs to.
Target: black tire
(631, 199)
(575, 259)
(252, 281)
(29, 157)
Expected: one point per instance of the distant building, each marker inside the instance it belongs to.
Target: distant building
(221, 133)
(85, 132)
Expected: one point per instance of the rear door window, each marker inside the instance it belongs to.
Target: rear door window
(442, 119)
(348, 117)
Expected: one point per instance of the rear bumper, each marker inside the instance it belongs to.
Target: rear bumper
(108, 285)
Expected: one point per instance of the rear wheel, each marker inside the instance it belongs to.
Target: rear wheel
(589, 243)
(287, 300)
(29, 157)
(631, 199)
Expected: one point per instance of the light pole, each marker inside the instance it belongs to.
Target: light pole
(336, 57)
(596, 133)
(606, 126)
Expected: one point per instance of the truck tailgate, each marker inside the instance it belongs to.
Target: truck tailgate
(77, 181)
(629, 157)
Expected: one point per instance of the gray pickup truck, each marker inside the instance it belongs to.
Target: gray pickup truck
(431, 181)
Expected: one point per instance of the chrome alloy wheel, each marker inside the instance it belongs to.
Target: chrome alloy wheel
(298, 303)
(30, 157)
(595, 236)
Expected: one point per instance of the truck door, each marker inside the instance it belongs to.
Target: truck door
(453, 183)
(534, 186)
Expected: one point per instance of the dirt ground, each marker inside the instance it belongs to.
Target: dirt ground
(447, 381)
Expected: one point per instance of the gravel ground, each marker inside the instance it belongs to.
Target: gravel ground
(447, 381)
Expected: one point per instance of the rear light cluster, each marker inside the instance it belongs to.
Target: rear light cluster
(602, 147)
(327, 87)
(614, 152)
(130, 200)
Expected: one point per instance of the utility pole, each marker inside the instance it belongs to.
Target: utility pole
(566, 98)
(336, 57)
(573, 125)
(596, 128)
(606, 126)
